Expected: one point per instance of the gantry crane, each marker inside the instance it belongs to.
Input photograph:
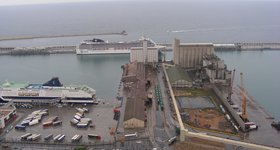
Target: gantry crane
(244, 100)
(231, 85)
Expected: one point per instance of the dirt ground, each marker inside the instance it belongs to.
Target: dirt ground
(209, 119)
(199, 144)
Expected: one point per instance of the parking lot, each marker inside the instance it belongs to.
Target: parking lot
(101, 115)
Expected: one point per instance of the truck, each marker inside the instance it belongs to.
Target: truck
(56, 123)
(251, 126)
(77, 117)
(222, 108)
(20, 127)
(36, 137)
(76, 138)
(82, 125)
(80, 110)
(228, 117)
(74, 121)
(131, 135)
(48, 123)
(94, 136)
(48, 137)
(56, 137)
(24, 137)
(34, 122)
(172, 140)
(61, 138)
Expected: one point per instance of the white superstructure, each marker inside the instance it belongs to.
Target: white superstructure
(98, 46)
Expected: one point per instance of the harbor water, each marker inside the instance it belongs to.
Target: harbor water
(101, 72)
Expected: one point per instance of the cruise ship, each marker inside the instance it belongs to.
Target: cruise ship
(49, 92)
(99, 46)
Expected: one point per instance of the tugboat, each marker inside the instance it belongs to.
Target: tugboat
(276, 125)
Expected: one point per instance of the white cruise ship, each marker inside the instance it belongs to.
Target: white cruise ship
(99, 46)
(51, 91)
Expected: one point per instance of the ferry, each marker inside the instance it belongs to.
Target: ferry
(99, 46)
(49, 92)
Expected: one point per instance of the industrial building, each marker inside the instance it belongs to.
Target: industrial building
(190, 55)
(144, 54)
(7, 114)
(134, 116)
(215, 69)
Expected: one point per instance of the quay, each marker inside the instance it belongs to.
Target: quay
(71, 49)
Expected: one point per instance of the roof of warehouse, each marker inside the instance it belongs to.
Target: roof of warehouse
(134, 109)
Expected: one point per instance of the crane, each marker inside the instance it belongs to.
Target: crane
(244, 100)
(231, 85)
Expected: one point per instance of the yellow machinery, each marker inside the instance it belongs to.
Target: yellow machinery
(244, 100)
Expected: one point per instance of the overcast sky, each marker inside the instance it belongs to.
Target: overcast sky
(24, 2)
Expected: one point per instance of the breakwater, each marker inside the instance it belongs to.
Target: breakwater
(58, 36)
(43, 50)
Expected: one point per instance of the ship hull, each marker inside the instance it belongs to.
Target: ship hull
(101, 52)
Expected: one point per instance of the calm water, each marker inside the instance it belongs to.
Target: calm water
(215, 21)
(103, 73)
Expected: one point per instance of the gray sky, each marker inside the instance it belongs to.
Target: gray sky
(23, 2)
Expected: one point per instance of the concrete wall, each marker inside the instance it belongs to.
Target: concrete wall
(134, 123)
(229, 108)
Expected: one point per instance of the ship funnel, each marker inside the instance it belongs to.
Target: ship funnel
(53, 82)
